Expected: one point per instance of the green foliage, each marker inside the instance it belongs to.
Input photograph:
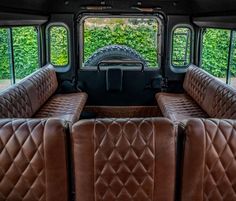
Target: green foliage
(181, 47)
(25, 48)
(141, 38)
(59, 46)
(215, 51)
(4, 55)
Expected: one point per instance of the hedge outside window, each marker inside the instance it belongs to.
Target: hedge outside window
(232, 73)
(59, 45)
(181, 47)
(215, 52)
(26, 51)
(19, 54)
(136, 36)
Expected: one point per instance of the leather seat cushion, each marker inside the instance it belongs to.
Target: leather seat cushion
(196, 84)
(33, 160)
(178, 107)
(221, 101)
(15, 103)
(65, 106)
(209, 169)
(124, 159)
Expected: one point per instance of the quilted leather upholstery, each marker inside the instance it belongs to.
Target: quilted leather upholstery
(206, 96)
(178, 107)
(124, 111)
(209, 172)
(32, 160)
(28, 97)
(45, 84)
(124, 159)
(66, 106)
(223, 103)
(196, 82)
(15, 103)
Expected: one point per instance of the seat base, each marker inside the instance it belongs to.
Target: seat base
(178, 107)
(65, 106)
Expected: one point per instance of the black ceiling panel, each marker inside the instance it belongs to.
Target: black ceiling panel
(190, 7)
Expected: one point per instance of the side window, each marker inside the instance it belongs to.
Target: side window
(181, 47)
(19, 54)
(26, 51)
(5, 58)
(232, 72)
(58, 45)
(215, 52)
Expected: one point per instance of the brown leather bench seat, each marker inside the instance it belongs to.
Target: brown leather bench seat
(209, 164)
(179, 106)
(33, 160)
(65, 106)
(124, 159)
(34, 97)
(205, 96)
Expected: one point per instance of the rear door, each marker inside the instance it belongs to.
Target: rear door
(119, 59)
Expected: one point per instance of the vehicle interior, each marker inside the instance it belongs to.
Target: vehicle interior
(114, 100)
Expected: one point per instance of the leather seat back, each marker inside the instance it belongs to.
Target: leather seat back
(221, 101)
(209, 169)
(15, 103)
(216, 98)
(124, 159)
(43, 84)
(24, 99)
(33, 160)
(196, 84)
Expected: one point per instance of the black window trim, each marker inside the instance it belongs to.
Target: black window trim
(11, 49)
(58, 68)
(181, 69)
(232, 31)
(80, 29)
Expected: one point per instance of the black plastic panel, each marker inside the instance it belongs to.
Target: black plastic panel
(136, 90)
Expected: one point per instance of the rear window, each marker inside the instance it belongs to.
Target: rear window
(125, 38)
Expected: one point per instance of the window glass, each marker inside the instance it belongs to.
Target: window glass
(126, 38)
(5, 68)
(215, 52)
(23, 43)
(59, 48)
(181, 47)
(232, 75)
(25, 48)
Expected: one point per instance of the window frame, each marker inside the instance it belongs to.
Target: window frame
(80, 35)
(202, 31)
(11, 50)
(58, 68)
(181, 69)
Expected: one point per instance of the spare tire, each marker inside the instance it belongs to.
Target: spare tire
(114, 52)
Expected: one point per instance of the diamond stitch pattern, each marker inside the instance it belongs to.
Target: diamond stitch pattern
(197, 83)
(45, 82)
(178, 107)
(15, 103)
(124, 161)
(66, 104)
(22, 175)
(220, 163)
(224, 103)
